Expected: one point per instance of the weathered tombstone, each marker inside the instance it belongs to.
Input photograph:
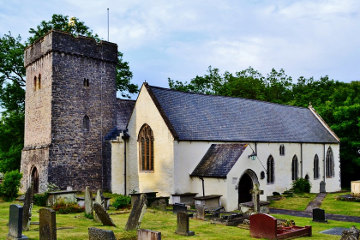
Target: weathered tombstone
(47, 228)
(15, 222)
(97, 200)
(100, 234)
(183, 224)
(217, 211)
(28, 201)
(256, 197)
(103, 215)
(179, 207)
(88, 202)
(136, 214)
(322, 187)
(145, 234)
(319, 215)
(200, 212)
(352, 234)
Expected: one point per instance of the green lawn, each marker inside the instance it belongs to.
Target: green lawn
(331, 205)
(165, 222)
(297, 202)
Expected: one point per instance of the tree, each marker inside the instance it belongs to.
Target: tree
(12, 83)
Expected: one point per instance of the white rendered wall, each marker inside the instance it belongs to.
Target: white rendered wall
(160, 180)
(117, 165)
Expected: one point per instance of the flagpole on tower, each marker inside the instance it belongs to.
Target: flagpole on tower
(108, 23)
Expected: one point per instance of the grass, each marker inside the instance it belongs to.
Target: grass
(331, 205)
(297, 202)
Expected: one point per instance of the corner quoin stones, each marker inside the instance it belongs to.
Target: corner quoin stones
(56, 142)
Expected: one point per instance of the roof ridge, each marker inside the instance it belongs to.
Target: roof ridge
(222, 96)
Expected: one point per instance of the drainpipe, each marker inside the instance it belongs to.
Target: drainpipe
(125, 137)
(203, 187)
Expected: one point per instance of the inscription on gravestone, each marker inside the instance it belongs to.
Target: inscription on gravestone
(100, 234)
(183, 224)
(15, 222)
(47, 228)
(319, 215)
(103, 215)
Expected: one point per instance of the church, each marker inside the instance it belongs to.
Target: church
(77, 133)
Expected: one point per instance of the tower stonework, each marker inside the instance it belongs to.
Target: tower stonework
(69, 108)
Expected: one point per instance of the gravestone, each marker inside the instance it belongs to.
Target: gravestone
(145, 234)
(47, 228)
(100, 234)
(216, 213)
(88, 202)
(136, 214)
(183, 224)
(319, 215)
(179, 207)
(322, 187)
(28, 202)
(352, 234)
(200, 212)
(103, 215)
(256, 197)
(98, 200)
(15, 222)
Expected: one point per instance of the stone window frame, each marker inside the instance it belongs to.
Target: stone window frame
(270, 170)
(39, 82)
(282, 150)
(86, 123)
(316, 167)
(146, 149)
(35, 83)
(330, 163)
(294, 168)
(36, 185)
(86, 82)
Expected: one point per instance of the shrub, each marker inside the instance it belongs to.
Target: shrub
(10, 185)
(301, 185)
(40, 199)
(121, 201)
(64, 208)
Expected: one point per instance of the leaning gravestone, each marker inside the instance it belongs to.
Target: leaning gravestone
(103, 215)
(47, 228)
(28, 201)
(183, 224)
(136, 214)
(145, 234)
(352, 234)
(319, 215)
(100, 234)
(88, 202)
(15, 222)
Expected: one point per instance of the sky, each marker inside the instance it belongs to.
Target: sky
(164, 39)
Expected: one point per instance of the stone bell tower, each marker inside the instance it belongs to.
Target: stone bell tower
(69, 108)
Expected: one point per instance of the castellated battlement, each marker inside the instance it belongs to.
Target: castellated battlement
(63, 42)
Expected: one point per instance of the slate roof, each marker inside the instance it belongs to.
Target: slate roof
(198, 117)
(124, 109)
(218, 160)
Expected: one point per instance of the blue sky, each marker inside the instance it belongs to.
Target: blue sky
(180, 39)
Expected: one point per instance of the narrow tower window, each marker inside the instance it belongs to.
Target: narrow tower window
(282, 150)
(146, 142)
(86, 123)
(86, 82)
(39, 82)
(270, 170)
(35, 83)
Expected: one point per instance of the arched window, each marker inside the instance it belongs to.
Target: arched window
(329, 163)
(86, 82)
(294, 168)
(282, 150)
(39, 82)
(270, 170)
(35, 179)
(35, 83)
(86, 123)
(316, 167)
(146, 142)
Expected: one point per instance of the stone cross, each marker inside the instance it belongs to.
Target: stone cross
(47, 228)
(136, 214)
(88, 202)
(256, 197)
(15, 222)
(28, 201)
(103, 216)
(100, 234)
(183, 224)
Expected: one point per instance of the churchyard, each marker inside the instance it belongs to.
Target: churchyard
(75, 225)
